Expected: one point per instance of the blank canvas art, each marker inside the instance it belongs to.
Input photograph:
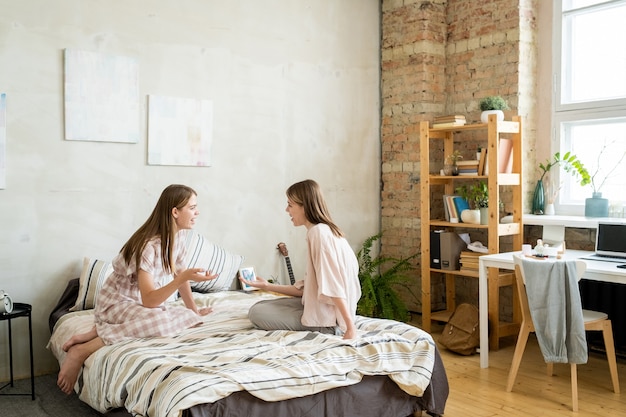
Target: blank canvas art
(101, 97)
(3, 140)
(180, 131)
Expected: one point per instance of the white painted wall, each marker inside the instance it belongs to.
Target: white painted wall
(295, 89)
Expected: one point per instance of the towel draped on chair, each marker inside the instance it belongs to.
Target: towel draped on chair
(556, 310)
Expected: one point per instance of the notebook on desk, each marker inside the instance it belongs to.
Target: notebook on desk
(610, 242)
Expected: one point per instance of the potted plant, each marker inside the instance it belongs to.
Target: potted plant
(379, 276)
(596, 206)
(570, 164)
(477, 196)
(492, 105)
(451, 167)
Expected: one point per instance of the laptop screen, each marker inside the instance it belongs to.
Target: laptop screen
(611, 239)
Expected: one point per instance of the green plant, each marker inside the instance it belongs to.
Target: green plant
(596, 179)
(570, 164)
(454, 157)
(379, 275)
(476, 194)
(493, 103)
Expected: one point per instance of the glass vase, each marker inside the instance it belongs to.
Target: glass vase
(596, 206)
(538, 199)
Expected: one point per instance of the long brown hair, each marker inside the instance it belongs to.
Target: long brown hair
(159, 224)
(308, 194)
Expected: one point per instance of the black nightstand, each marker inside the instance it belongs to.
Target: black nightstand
(20, 310)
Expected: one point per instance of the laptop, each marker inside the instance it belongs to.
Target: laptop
(610, 242)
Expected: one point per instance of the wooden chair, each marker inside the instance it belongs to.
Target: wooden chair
(593, 320)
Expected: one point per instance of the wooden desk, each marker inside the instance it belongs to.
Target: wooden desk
(596, 271)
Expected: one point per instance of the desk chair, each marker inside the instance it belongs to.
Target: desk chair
(593, 320)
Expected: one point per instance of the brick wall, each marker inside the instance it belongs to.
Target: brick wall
(440, 57)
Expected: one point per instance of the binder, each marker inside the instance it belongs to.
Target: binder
(435, 249)
(451, 246)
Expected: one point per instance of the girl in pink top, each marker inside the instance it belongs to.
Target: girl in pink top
(326, 299)
(131, 303)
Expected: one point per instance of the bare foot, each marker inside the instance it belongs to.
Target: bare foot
(80, 338)
(69, 370)
(74, 360)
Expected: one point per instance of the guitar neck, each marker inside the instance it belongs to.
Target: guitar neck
(282, 248)
(292, 279)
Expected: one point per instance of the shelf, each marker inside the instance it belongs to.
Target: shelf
(503, 179)
(504, 229)
(506, 277)
(447, 142)
(443, 316)
(503, 126)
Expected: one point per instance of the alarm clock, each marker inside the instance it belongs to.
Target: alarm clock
(6, 304)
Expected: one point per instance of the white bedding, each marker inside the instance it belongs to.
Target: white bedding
(163, 376)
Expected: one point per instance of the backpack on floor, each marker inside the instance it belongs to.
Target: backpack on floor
(461, 334)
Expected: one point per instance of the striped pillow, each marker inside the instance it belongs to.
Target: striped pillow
(92, 277)
(206, 255)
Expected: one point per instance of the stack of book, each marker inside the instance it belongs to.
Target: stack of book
(449, 121)
(469, 261)
(453, 205)
(468, 167)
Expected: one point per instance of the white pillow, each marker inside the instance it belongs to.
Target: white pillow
(206, 255)
(92, 277)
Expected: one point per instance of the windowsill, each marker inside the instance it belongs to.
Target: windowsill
(565, 221)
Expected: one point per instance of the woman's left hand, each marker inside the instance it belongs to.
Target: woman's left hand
(350, 333)
(205, 310)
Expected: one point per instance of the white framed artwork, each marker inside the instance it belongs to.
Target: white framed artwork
(3, 141)
(180, 131)
(101, 97)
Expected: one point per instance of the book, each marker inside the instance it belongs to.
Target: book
(449, 202)
(470, 162)
(505, 156)
(449, 118)
(461, 204)
(469, 167)
(481, 161)
(449, 124)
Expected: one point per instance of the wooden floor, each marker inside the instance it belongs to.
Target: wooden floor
(481, 392)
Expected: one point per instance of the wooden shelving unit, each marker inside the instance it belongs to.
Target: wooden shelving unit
(445, 139)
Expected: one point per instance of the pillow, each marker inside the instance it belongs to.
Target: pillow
(92, 277)
(206, 255)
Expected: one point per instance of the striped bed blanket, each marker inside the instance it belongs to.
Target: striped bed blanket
(226, 354)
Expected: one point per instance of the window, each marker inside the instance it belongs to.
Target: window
(590, 102)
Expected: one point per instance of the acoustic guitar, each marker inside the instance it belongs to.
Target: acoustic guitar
(282, 248)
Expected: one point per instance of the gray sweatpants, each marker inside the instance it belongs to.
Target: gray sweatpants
(283, 314)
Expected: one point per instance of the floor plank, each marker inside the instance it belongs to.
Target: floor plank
(482, 392)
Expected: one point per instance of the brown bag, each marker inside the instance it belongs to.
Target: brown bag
(461, 333)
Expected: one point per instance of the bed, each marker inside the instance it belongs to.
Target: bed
(226, 367)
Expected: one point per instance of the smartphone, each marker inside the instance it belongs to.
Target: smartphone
(247, 273)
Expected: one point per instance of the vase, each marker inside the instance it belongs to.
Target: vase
(450, 170)
(538, 199)
(470, 216)
(484, 116)
(596, 206)
(549, 209)
(484, 215)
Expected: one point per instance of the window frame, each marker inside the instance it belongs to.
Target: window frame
(575, 111)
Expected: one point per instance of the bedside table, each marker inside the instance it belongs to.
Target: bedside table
(20, 310)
